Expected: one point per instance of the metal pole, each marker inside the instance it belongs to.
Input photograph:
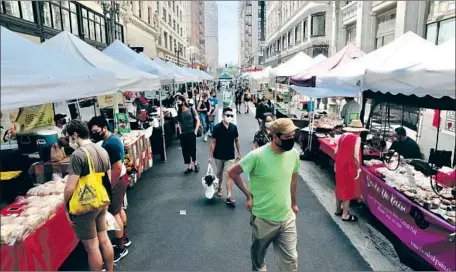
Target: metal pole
(162, 120)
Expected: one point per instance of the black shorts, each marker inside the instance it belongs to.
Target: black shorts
(238, 102)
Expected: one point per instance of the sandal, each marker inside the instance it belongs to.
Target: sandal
(351, 218)
(219, 194)
(338, 213)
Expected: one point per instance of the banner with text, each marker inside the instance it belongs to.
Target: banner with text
(36, 116)
(423, 232)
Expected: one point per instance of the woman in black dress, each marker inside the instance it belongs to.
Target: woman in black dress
(262, 136)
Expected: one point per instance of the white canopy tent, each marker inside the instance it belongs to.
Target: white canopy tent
(205, 75)
(190, 70)
(293, 66)
(33, 75)
(349, 79)
(434, 76)
(165, 70)
(127, 78)
(119, 51)
(189, 77)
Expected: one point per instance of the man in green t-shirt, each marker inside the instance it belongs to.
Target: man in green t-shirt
(273, 170)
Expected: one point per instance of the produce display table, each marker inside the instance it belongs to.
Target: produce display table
(330, 149)
(138, 153)
(425, 233)
(44, 250)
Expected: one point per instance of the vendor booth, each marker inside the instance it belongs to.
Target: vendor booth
(414, 198)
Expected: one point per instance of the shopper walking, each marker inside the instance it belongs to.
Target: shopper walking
(119, 180)
(273, 170)
(247, 99)
(238, 99)
(214, 109)
(348, 163)
(188, 127)
(224, 138)
(262, 136)
(204, 108)
(90, 227)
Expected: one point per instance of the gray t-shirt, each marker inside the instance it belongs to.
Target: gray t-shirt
(79, 164)
(187, 121)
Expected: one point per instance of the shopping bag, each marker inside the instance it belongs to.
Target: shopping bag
(90, 194)
(210, 183)
(111, 222)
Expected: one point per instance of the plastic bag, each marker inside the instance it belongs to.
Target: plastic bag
(210, 182)
(111, 222)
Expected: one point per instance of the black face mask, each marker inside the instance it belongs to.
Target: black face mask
(63, 121)
(98, 136)
(286, 145)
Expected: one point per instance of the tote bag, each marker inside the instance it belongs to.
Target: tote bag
(90, 194)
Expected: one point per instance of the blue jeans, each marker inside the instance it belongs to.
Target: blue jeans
(211, 126)
(204, 122)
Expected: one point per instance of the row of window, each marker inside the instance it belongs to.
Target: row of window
(170, 43)
(63, 15)
(299, 33)
(172, 23)
(440, 32)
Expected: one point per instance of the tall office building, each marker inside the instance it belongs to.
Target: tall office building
(252, 22)
(211, 35)
(195, 35)
(172, 44)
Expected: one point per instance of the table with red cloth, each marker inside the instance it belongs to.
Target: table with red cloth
(43, 250)
(330, 149)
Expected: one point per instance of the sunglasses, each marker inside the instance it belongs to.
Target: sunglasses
(229, 115)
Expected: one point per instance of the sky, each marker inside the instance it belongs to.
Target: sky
(228, 32)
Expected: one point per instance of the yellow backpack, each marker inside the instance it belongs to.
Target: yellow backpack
(90, 194)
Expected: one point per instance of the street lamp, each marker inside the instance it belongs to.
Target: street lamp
(178, 52)
(112, 9)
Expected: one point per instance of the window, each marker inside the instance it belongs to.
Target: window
(351, 34)
(181, 32)
(431, 33)
(318, 24)
(170, 43)
(305, 30)
(61, 15)
(386, 23)
(11, 8)
(289, 39)
(169, 20)
(446, 30)
(384, 40)
(297, 34)
(174, 7)
(139, 10)
(175, 45)
(174, 24)
(94, 27)
(149, 15)
(164, 14)
(165, 39)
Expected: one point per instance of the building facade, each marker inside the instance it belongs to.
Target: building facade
(252, 33)
(297, 26)
(141, 26)
(373, 24)
(41, 20)
(211, 35)
(172, 42)
(196, 35)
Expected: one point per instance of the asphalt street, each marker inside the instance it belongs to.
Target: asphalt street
(210, 236)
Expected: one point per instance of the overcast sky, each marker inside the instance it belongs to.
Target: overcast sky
(228, 32)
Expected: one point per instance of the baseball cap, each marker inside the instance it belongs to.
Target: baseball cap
(283, 126)
(59, 116)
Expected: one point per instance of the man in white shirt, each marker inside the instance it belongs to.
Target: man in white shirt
(60, 123)
(350, 111)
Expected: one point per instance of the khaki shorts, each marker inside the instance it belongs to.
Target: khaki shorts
(86, 226)
(118, 195)
(222, 168)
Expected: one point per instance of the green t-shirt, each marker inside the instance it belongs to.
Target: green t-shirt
(270, 181)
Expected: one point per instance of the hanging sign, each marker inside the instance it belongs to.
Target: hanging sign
(450, 121)
(105, 101)
(123, 124)
(35, 116)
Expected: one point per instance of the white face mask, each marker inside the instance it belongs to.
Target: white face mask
(228, 119)
(73, 143)
(267, 124)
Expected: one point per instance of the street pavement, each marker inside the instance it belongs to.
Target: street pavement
(174, 228)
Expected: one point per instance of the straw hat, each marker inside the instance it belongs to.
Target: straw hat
(355, 126)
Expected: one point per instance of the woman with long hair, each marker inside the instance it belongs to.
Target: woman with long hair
(189, 123)
(247, 98)
(262, 136)
(204, 109)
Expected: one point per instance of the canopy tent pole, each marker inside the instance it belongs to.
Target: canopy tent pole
(162, 120)
(115, 108)
(193, 94)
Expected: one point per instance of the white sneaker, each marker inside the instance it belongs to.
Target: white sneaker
(205, 138)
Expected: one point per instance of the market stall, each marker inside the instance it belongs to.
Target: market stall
(29, 225)
(414, 199)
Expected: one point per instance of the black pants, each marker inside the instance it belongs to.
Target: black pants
(188, 144)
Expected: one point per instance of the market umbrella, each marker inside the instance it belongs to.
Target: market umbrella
(33, 75)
